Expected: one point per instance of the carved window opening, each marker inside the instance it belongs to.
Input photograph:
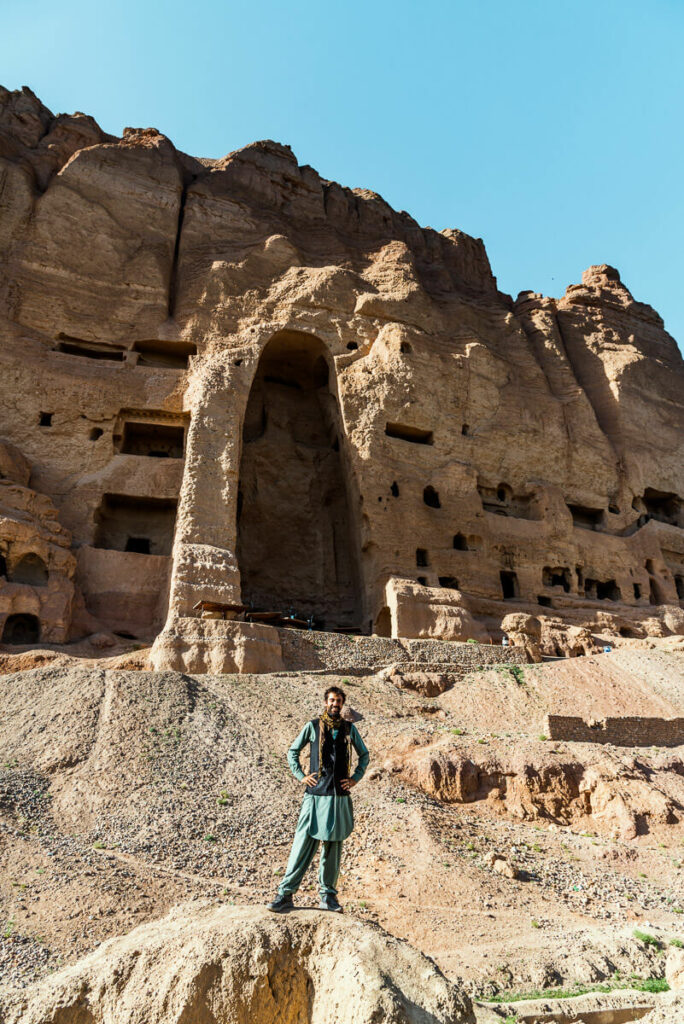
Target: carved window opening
(557, 577)
(121, 520)
(405, 348)
(545, 602)
(172, 355)
(586, 518)
(394, 489)
(3, 566)
(45, 419)
(412, 434)
(296, 539)
(95, 434)
(422, 558)
(422, 580)
(141, 545)
(637, 591)
(679, 584)
(21, 629)
(465, 430)
(89, 349)
(450, 582)
(156, 440)
(431, 497)
(352, 346)
(510, 588)
(460, 542)
(32, 570)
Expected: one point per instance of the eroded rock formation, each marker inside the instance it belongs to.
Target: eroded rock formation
(244, 385)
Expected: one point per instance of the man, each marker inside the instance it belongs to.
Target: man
(327, 815)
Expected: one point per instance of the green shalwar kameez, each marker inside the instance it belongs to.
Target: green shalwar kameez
(326, 819)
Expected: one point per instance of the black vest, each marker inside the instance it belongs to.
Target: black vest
(334, 767)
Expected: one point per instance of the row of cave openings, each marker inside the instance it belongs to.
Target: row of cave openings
(558, 576)
(664, 507)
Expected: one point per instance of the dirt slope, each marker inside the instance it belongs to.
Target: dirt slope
(125, 793)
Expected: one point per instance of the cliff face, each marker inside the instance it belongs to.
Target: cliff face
(407, 420)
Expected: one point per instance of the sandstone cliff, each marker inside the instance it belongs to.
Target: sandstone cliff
(244, 384)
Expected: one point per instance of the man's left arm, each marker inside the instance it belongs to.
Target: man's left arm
(363, 755)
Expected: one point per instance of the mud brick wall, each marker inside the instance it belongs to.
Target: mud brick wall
(621, 732)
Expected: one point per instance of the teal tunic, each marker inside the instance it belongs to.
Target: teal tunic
(326, 817)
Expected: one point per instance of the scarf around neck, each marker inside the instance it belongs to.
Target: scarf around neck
(328, 724)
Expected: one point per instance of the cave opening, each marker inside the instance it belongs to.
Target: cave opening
(510, 588)
(295, 538)
(21, 629)
(557, 577)
(142, 525)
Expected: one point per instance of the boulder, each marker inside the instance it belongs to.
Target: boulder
(244, 965)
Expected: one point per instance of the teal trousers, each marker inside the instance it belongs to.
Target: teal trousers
(301, 855)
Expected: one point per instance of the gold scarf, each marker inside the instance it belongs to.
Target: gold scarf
(328, 723)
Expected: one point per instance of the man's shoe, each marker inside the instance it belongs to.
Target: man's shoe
(280, 904)
(329, 902)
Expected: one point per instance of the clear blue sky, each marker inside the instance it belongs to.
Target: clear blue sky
(552, 129)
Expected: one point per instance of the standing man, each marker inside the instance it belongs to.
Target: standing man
(327, 815)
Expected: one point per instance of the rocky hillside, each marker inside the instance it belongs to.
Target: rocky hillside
(515, 862)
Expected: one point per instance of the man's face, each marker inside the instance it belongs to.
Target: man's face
(334, 705)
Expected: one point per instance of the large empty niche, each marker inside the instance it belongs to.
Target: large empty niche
(295, 548)
(144, 525)
(160, 440)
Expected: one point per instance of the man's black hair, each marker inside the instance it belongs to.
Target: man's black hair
(337, 690)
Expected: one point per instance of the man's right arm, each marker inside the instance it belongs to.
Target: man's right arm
(305, 736)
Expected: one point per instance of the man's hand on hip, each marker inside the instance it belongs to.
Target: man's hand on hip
(310, 780)
(348, 784)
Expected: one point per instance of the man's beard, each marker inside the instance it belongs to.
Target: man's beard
(335, 713)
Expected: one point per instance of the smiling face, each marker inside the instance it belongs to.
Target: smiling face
(333, 705)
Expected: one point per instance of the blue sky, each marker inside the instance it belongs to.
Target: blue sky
(551, 129)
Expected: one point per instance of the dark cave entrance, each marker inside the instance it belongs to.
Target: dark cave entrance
(295, 542)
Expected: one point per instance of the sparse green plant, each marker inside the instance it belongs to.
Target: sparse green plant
(518, 674)
(535, 924)
(400, 800)
(543, 737)
(640, 984)
(8, 929)
(98, 845)
(676, 942)
(646, 938)
(457, 732)
(536, 847)
(209, 838)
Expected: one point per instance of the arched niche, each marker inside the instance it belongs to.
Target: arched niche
(295, 539)
(30, 569)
